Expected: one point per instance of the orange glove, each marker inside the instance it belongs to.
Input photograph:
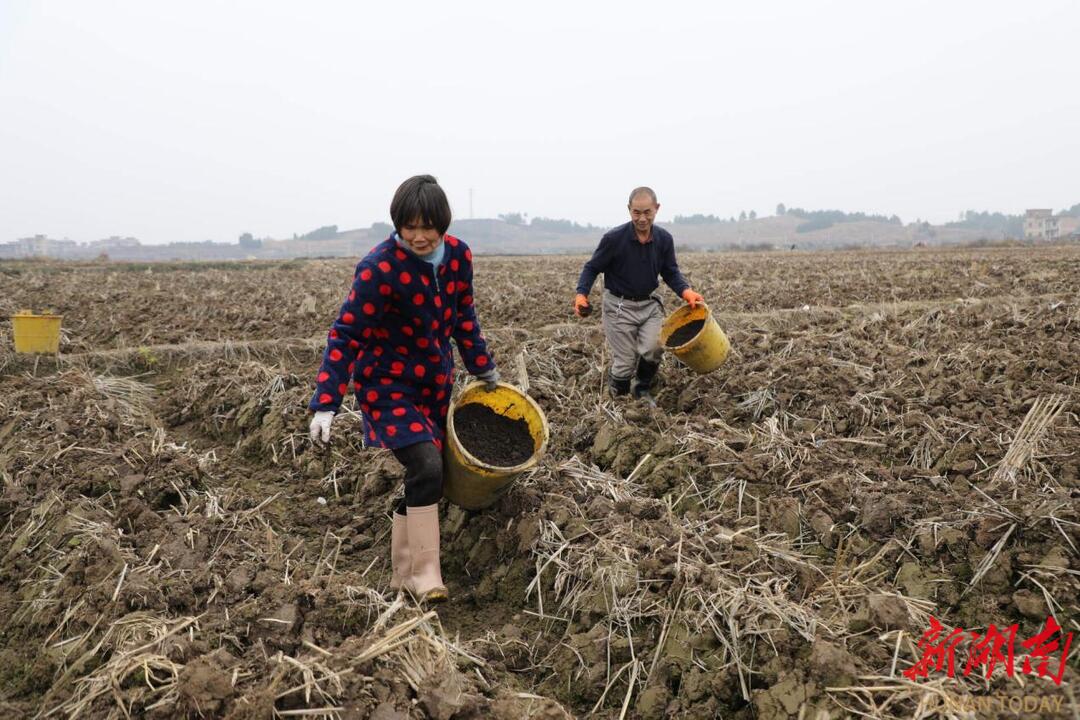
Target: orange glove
(582, 308)
(694, 299)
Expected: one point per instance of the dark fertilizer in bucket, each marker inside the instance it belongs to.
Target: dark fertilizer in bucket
(492, 438)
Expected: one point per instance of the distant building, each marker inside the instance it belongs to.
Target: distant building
(1040, 224)
(1068, 226)
(38, 246)
(115, 242)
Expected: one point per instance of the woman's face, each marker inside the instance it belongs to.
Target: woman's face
(421, 238)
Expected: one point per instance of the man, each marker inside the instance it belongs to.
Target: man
(631, 257)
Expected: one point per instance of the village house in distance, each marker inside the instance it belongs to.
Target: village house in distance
(1043, 224)
(41, 246)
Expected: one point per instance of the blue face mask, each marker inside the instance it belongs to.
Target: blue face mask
(435, 257)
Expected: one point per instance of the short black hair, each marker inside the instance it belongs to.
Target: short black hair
(421, 197)
(642, 191)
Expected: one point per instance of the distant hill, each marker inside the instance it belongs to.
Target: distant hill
(494, 236)
(818, 230)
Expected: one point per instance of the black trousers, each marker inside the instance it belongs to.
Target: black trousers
(423, 475)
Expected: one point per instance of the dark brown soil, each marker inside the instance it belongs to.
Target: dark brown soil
(685, 334)
(847, 482)
(492, 438)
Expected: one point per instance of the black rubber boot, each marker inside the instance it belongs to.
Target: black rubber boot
(646, 373)
(619, 386)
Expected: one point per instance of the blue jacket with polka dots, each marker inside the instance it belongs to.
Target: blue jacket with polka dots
(395, 327)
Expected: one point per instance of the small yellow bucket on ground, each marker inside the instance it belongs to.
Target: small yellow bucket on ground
(705, 351)
(36, 333)
(471, 483)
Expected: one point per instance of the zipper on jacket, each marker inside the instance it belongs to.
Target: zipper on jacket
(424, 265)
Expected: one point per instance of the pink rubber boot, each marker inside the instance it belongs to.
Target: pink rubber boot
(399, 552)
(425, 579)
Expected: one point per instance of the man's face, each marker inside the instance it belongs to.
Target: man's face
(421, 238)
(643, 212)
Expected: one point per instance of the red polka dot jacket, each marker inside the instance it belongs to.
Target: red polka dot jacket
(392, 340)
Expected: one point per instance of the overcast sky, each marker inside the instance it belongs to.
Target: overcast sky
(202, 120)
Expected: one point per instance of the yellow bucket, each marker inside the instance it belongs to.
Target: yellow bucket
(36, 333)
(707, 350)
(471, 483)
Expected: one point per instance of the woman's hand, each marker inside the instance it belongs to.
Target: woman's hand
(320, 426)
(490, 379)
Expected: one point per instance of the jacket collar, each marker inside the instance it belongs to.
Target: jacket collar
(396, 242)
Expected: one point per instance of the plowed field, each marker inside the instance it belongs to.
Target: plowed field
(894, 438)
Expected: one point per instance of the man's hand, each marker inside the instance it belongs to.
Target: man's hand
(490, 379)
(582, 308)
(320, 426)
(695, 300)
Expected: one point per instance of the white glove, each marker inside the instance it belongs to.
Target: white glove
(320, 426)
(489, 378)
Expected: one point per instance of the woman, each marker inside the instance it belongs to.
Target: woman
(410, 296)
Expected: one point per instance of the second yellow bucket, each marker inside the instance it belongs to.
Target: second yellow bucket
(36, 333)
(704, 352)
(471, 483)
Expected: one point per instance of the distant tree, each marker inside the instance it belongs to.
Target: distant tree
(780, 209)
(381, 229)
(248, 242)
(753, 214)
(742, 216)
(558, 225)
(992, 223)
(696, 219)
(821, 219)
(514, 218)
(1074, 211)
(326, 232)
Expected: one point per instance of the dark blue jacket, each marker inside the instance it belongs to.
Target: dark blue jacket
(631, 268)
(396, 324)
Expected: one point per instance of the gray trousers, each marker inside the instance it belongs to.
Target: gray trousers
(632, 329)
